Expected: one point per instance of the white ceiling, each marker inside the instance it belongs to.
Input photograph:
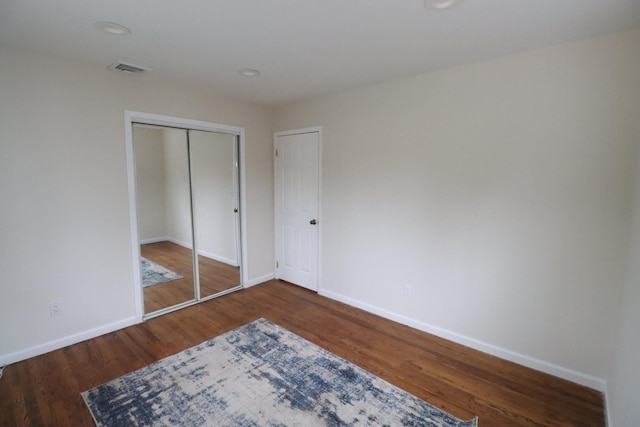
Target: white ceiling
(303, 48)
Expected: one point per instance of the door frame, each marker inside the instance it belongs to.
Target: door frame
(312, 129)
(131, 117)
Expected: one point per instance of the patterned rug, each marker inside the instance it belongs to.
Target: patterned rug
(258, 375)
(153, 274)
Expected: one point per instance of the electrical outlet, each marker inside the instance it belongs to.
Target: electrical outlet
(55, 308)
(406, 290)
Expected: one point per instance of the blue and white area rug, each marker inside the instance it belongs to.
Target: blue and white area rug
(154, 274)
(258, 375)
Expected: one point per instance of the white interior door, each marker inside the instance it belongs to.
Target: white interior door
(297, 181)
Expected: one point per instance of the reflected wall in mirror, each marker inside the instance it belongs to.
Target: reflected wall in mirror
(214, 183)
(187, 202)
(164, 216)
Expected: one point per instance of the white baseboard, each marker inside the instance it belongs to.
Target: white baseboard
(37, 350)
(530, 362)
(258, 280)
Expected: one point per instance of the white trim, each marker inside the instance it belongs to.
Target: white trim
(318, 130)
(182, 123)
(170, 309)
(189, 303)
(244, 254)
(66, 341)
(258, 280)
(131, 117)
(540, 365)
(320, 216)
(607, 408)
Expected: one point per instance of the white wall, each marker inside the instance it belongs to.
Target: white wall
(64, 219)
(500, 191)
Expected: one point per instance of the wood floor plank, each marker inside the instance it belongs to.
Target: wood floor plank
(45, 390)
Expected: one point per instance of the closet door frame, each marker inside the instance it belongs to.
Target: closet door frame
(131, 117)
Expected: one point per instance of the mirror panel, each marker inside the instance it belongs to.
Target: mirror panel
(214, 183)
(164, 216)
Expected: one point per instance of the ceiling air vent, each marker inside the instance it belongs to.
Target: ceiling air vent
(126, 68)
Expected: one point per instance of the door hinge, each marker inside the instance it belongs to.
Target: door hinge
(277, 264)
(276, 152)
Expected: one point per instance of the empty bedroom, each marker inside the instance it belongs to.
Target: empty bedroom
(320, 212)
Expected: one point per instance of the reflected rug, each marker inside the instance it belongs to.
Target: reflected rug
(258, 375)
(154, 274)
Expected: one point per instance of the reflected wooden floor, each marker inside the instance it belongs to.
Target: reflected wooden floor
(45, 390)
(215, 276)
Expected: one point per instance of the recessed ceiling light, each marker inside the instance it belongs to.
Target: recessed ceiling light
(440, 4)
(249, 72)
(113, 28)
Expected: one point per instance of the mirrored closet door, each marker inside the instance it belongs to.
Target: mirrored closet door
(214, 183)
(187, 204)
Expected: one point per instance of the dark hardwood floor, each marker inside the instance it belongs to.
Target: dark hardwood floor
(45, 390)
(215, 276)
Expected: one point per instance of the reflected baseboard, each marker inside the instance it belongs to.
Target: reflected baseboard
(187, 245)
(218, 258)
(156, 240)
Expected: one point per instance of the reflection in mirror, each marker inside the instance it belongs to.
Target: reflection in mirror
(164, 216)
(214, 180)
